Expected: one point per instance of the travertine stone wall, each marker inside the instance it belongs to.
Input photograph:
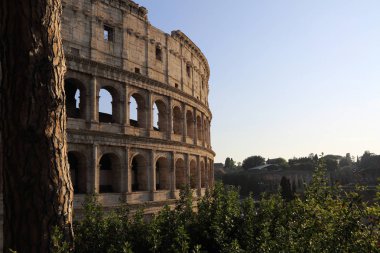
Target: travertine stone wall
(134, 44)
(111, 45)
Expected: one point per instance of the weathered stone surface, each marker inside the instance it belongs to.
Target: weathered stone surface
(111, 45)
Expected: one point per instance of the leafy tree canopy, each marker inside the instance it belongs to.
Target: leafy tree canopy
(229, 163)
(279, 161)
(253, 161)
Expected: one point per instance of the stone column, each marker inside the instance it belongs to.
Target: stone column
(93, 182)
(125, 119)
(209, 134)
(203, 129)
(147, 48)
(192, 76)
(94, 100)
(187, 162)
(152, 174)
(173, 176)
(167, 58)
(207, 169)
(180, 57)
(170, 119)
(184, 123)
(124, 39)
(93, 33)
(199, 177)
(195, 129)
(125, 177)
(149, 114)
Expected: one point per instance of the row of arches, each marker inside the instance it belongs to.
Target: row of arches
(110, 167)
(156, 115)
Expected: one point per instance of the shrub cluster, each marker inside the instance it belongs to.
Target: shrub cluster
(325, 219)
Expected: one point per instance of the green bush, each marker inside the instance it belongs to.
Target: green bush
(326, 219)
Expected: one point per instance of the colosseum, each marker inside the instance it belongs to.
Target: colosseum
(155, 137)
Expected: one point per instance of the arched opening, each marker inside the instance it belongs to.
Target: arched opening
(137, 112)
(190, 124)
(77, 164)
(193, 174)
(180, 174)
(162, 174)
(139, 174)
(203, 175)
(177, 121)
(109, 168)
(199, 128)
(75, 98)
(133, 112)
(160, 117)
(108, 105)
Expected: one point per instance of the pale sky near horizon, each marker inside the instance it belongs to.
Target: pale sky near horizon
(288, 77)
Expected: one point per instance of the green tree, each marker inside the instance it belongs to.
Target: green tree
(279, 161)
(253, 161)
(286, 189)
(325, 219)
(229, 163)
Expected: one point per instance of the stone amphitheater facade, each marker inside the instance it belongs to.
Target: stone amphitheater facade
(110, 46)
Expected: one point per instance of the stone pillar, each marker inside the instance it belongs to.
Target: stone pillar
(147, 48)
(125, 118)
(167, 58)
(195, 130)
(170, 119)
(184, 123)
(93, 33)
(192, 76)
(125, 177)
(124, 40)
(187, 162)
(149, 113)
(173, 173)
(94, 100)
(199, 177)
(209, 134)
(203, 130)
(93, 182)
(207, 172)
(152, 174)
(180, 51)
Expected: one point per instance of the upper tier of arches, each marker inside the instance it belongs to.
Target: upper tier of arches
(126, 40)
(116, 107)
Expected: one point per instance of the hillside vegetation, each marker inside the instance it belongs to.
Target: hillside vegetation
(325, 219)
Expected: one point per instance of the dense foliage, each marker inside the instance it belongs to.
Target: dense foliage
(325, 219)
(253, 161)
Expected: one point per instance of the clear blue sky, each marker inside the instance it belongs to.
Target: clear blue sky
(288, 77)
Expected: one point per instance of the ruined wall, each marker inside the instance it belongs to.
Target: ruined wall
(134, 44)
(110, 45)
